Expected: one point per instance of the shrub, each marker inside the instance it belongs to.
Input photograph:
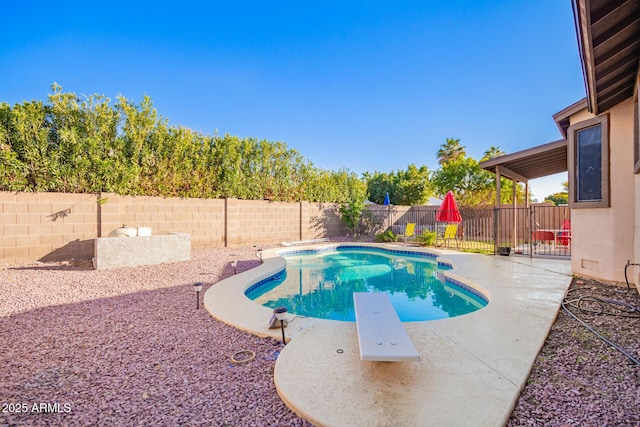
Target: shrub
(387, 236)
(428, 238)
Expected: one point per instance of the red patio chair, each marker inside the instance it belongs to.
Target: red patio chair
(564, 236)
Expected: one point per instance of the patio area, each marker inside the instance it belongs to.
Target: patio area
(472, 367)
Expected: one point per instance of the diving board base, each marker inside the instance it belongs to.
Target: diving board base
(381, 336)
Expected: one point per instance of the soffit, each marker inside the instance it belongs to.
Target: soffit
(609, 45)
(563, 117)
(536, 162)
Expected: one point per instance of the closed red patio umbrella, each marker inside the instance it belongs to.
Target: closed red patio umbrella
(448, 210)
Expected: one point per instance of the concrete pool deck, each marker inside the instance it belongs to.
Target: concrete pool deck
(472, 367)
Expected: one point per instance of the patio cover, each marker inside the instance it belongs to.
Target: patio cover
(536, 162)
(521, 166)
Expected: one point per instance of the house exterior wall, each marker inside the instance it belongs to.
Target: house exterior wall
(603, 238)
(634, 272)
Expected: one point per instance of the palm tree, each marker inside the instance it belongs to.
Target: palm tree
(492, 153)
(451, 150)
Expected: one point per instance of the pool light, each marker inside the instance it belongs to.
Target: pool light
(198, 287)
(281, 313)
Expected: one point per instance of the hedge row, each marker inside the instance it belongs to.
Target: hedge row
(89, 145)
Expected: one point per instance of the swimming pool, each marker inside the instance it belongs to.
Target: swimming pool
(320, 283)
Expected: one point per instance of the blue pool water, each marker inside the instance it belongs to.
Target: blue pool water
(321, 284)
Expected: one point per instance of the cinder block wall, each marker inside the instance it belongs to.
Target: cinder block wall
(204, 219)
(46, 226)
(320, 220)
(58, 226)
(259, 222)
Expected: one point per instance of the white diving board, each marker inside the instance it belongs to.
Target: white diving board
(381, 336)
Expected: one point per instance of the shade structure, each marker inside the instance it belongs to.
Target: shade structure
(448, 210)
(387, 201)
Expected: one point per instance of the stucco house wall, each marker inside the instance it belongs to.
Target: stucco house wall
(635, 271)
(603, 238)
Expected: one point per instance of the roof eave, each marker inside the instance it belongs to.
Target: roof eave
(531, 163)
(563, 116)
(581, 16)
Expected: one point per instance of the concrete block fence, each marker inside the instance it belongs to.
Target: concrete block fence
(61, 226)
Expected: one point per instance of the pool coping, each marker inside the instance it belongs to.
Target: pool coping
(472, 367)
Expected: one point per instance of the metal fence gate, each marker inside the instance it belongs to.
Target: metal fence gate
(537, 230)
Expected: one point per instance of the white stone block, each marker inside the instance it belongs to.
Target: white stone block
(116, 252)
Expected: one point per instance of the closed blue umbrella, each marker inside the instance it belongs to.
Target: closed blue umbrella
(387, 203)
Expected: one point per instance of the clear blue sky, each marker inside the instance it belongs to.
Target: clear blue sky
(362, 85)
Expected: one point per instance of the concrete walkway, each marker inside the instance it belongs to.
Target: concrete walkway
(472, 367)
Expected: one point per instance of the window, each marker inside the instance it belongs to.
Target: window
(588, 156)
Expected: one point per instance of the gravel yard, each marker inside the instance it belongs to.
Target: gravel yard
(128, 347)
(578, 379)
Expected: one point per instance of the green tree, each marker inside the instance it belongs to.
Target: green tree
(408, 187)
(355, 191)
(379, 184)
(450, 150)
(12, 169)
(469, 182)
(492, 153)
(37, 159)
(413, 186)
(561, 198)
(86, 144)
(558, 199)
(84, 131)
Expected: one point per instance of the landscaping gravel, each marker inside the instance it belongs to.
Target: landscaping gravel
(578, 379)
(128, 347)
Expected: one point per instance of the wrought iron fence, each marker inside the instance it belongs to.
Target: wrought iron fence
(534, 230)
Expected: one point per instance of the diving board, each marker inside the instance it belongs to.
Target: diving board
(381, 336)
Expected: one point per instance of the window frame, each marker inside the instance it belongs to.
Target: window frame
(604, 202)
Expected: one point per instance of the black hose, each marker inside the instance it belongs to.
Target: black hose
(626, 279)
(596, 333)
(629, 311)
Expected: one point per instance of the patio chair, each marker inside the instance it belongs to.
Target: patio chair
(409, 232)
(564, 236)
(450, 233)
